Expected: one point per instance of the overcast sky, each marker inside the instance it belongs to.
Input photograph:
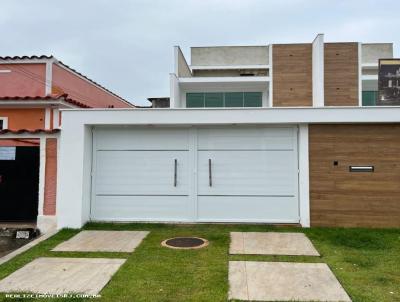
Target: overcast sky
(127, 46)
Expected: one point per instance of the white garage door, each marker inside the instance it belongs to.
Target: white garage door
(210, 174)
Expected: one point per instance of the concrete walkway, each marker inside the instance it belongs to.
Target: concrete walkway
(271, 243)
(103, 241)
(26, 247)
(62, 276)
(279, 281)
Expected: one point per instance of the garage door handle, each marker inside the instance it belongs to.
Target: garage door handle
(209, 173)
(175, 172)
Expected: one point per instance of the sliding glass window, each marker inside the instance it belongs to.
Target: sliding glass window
(223, 99)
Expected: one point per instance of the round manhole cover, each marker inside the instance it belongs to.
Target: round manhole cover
(185, 243)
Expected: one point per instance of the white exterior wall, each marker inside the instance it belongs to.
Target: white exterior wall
(371, 52)
(73, 198)
(181, 67)
(73, 175)
(229, 55)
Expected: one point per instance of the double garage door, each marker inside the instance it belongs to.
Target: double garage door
(235, 174)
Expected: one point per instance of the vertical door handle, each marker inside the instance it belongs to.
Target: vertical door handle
(209, 173)
(175, 172)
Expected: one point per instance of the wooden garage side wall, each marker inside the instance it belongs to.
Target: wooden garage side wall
(341, 74)
(292, 75)
(355, 199)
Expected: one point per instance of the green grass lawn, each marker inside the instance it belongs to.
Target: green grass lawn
(365, 261)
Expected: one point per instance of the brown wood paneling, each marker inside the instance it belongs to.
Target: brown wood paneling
(342, 198)
(341, 74)
(292, 75)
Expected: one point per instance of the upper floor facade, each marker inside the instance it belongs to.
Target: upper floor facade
(313, 74)
(34, 89)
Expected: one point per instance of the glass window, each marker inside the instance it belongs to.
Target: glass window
(214, 99)
(234, 99)
(369, 98)
(1, 124)
(223, 99)
(194, 100)
(252, 99)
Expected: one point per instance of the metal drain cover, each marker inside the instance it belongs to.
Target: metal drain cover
(185, 243)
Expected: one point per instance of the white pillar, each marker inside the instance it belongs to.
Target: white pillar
(318, 71)
(73, 187)
(174, 98)
(271, 81)
(47, 118)
(304, 177)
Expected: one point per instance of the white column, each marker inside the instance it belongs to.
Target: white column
(271, 82)
(360, 74)
(73, 187)
(47, 118)
(304, 178)
(174, 99)
(56, 118)
(318, 71)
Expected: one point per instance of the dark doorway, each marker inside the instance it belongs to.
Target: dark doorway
(19, 183)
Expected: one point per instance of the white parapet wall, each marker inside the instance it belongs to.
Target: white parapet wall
(229, 55)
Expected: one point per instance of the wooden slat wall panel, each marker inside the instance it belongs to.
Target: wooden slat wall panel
(343, 198)
(341, 74)
(292, 75)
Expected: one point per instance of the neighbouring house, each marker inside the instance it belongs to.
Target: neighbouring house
(162, 102)
(280, 133)
(33, 90)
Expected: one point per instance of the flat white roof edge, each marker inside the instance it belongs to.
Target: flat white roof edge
(238, 108)
(260, 116)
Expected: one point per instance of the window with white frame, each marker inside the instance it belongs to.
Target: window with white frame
(3, 123)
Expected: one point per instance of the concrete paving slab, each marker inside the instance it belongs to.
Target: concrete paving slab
(62, 276)
(103, 241)
(271, 243)
(281, 281)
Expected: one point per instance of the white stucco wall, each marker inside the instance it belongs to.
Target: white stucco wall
(230, 55)
(75, 157)
(181, 67)
(371, 52)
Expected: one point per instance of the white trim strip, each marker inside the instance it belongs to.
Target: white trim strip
(225, 79)
(34, 103)
(369, 77)
(47, 117)
(28, 135)
(49, 77)
(26, 61)
(228, 67)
